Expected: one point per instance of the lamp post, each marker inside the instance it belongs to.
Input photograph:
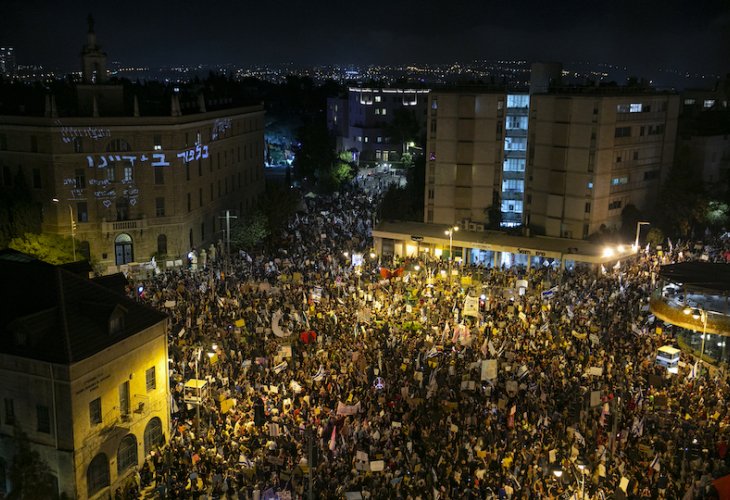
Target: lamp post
(450, 233)
(638, 230)
(73, 227)
(701, 314)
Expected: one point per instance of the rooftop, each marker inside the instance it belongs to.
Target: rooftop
(579, 250)
(51, 314)
(707, 276)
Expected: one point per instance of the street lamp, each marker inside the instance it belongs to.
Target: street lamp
(638, 230)
(701, 314)
(450, 233)
(73, 227)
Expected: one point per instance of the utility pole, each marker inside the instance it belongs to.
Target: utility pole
(310, 458)
(228, 218)
(73, 231)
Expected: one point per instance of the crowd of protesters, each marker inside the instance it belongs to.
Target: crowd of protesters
(379, 378)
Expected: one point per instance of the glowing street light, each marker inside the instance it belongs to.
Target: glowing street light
(638, 230)
(73, 227)
(450, 234)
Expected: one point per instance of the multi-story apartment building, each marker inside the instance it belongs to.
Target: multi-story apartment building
(84, 378)
(563, 163)
(7, 61)
(134, 170)
(362, 121)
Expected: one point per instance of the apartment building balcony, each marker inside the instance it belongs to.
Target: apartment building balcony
(124, 225)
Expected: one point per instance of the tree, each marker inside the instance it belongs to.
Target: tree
(314, 151)
(278, 203)
(249, 232)
(52, 248)
(18, 213)
(654, 237)
(30, 475)
(682, 202)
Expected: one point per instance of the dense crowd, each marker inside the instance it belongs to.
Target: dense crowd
(387, 386)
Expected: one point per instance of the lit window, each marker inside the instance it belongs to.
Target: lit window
(635, 108)
(590, 185)
(380, 139)
(378, 98)
(689, 102)
(377, 111)
(708, 103)
(359, 138)
(384, 111)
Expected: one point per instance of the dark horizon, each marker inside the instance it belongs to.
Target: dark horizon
(643, 35)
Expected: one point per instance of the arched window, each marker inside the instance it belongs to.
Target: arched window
(152, 435)
(162, 244)
(97, 474)
(126, 454)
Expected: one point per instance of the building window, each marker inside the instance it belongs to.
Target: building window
(434, 104)
(158, 142)
(358, 138)
(82, 212)
(124, 398)
(111, 171)
(159, 175)
(126, 454)
(9, 411)
(588, 208)
(127, 175)
(614, 205)
(162, 244)
(97, 474)
(622, 132)
(78, 145)
(377, 99)
(150, 379)
(95, 411)
(152, 435)
(80, 178)
(708, 103)
(160, 206)
(37, 178)
(651, 175)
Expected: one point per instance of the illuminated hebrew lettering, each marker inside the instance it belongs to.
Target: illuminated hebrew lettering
(182, 155)
(205, 151)
(130, 159)
(90, 160)
(158, 160)
(103, 163)
(144, 158)
(197, 152)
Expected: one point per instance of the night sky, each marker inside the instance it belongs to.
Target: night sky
(683, 34)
